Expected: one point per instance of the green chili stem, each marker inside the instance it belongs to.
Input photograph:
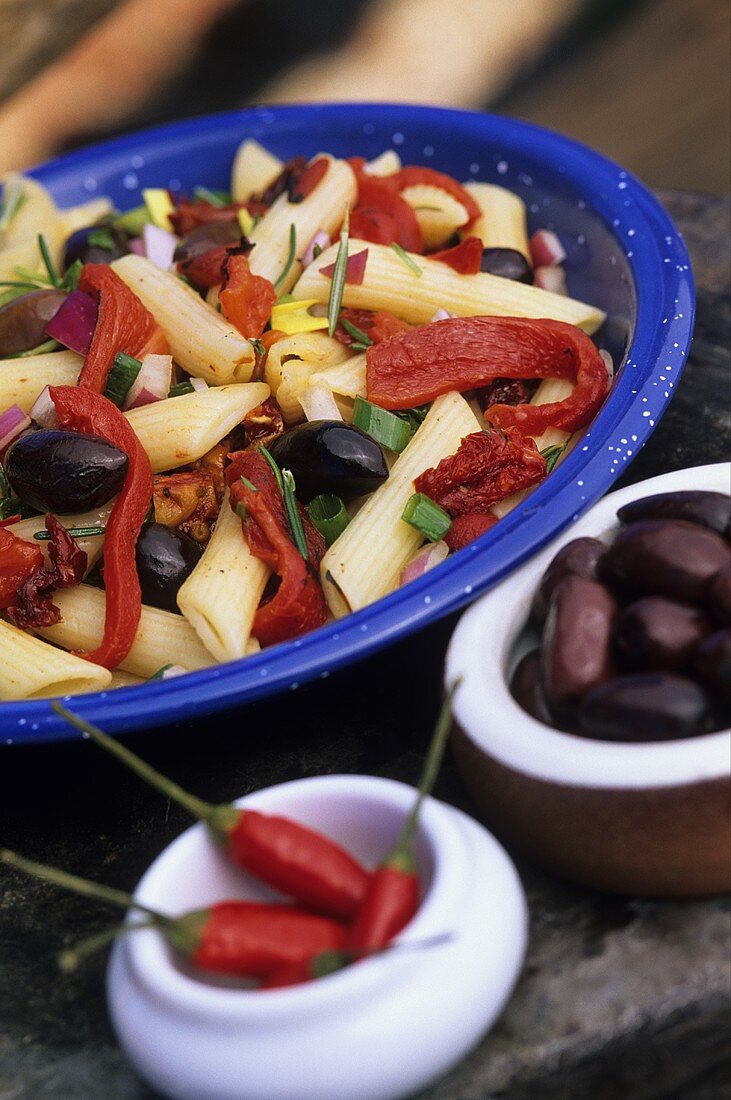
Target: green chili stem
(69, 959)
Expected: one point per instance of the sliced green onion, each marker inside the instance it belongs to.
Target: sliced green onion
(413, 417)
(329, 516)
(102, 238)
(426, 516)
(48, 260)
(181, 388)
(355, 332)
(133, 220)
(215, 198)
(41, 349)
(75, 532)
(249, 485)
(316, 251)
(402, 255)
(382, 425)
(290, 257)
(552, 455)
(70, 280)
(160, 672)
(340, 272)
(295, 519)
(277, 472)
(13, 198)
(125, 369)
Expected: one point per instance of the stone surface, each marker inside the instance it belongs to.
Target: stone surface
(620, 998)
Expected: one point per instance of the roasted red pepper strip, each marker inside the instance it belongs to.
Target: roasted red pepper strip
(19, 560)
(464, 353)
(85, 411)
(377, 326)
(246, 299)
(465, 529)
(381, 215)
(32, 606)
(465, 258)
(487, 467)
(123, 324)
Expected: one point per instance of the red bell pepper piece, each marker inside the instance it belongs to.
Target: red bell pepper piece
(381, 215)
(464, 353)
(465, 258)
(19, 560)
(85, 411)
(123, 324)
(246, 299)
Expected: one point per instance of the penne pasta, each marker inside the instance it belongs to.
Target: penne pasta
(391, 285)
(346, 379)
(35, 215)
(86, 213)
(23, 380)
(438, 213)
(364, 563)
(181, 429)
(122, 679)
(504, 220)
(292, 362)
(92, 545)
(201, 341)
(221, 595)
(385, 164)
(254, 168)
(33, 669)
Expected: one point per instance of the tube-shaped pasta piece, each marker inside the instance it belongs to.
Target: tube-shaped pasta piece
(92, 545)
(86, 213)
(162, 638)
(181, 429)
(389, 284)
(122, 679)
(254, 168)
(346, 379)
(324, 208)
(503, 222)
(438, 213)
(385, 164)
(220, 597)
(22, 380)
(201, 341)
(364, 563)
(292, 361)
(33, 669)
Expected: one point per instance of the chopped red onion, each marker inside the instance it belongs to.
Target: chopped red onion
(426, 559)
(152, 383)
(550, 278)
(198, 384)
(318, 402)
(137, 245)
(74, 322)
(12, 422)
(44, 410)
(321, 240)
(355, 270)
(546, 249)
(442, 315)
(159, 245)
(608, 362)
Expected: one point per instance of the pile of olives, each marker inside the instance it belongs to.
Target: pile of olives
(636, 635)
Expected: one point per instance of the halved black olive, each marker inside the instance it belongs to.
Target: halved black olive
(23, 320)
(328, 456)
(95, 244)
(165, 559)
(692, 505)
(58, 471)
(508, 263)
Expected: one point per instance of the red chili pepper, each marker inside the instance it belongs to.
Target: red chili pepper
(381, 215)
(303, 182)
(464, 353)
(487, 467)
(392, 897)
(83, 410)
(465, 529)
(246, 299)
(243, 939)
(290, 857)
(32, 606)
(123, 324)
(465, 258)
(19, 560)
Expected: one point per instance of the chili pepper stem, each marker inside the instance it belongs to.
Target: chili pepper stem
(218, 818)
(69, 959)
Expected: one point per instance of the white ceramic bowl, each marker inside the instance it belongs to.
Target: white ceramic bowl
(376, 1031)
(649, 818)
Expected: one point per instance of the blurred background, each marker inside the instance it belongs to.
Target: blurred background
(645, 81)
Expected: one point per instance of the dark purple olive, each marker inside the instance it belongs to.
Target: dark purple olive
(508, 263)
(665, 558)
(165, 559)
(657, 633)
(95, 244)
(713, 662)
(23, 320)
(578, 558)
(718, 596)
(527, 688)
(645, 706)
(708, 509)
(576, 648)
(204, 237)
(64, 472)
(328, 456)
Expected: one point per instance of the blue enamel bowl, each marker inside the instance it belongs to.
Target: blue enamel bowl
(624, 254)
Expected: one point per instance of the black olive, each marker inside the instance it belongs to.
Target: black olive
(708, 509)
(64, 472)
(526, 687)
(508, 263)
(646, 706)
(165, 559)
(95, 244)
(657, 633)
(328, 456)
(580, 558)
(23, 320)
(204, 237)
(656, 557)
(576, 650)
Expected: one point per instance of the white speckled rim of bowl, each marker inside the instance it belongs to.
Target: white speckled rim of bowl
(440, 842)
(480, 650)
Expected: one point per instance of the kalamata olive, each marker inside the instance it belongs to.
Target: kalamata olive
(576, 648)
(526, 687)
(205, 237)
(165, 559)
(713, 662)
(664, 558)
(95, 244)
(508, 263)
(644, 706)
(708, 509)
(718, 596)
(580, 557)
(328, 456)
(58, 471)
(23, 320)
(657, 633)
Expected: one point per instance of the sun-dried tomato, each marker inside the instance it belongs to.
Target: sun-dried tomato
(465, 529)
(258, 204)
(19, 560)
(246, 299)
(465, 258)
(263, 424)
(303, 182)
(189, 215)
(187, 499)
(487, 467)
(505, 391)
(32, 606)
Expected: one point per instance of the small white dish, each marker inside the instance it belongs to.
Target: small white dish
(648, 818)
(376, 1031)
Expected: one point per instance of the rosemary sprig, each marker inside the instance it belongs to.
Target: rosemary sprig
(357, 333)
(340, 271)
(13, 198)
(290, 257)
(404, 256)
(295, 520)
(552, 455)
